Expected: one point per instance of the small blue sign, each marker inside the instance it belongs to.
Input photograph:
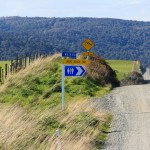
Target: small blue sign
(73, 71)
(69, 54)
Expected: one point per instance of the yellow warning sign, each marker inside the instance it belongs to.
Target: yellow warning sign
(76, 61)
(88, 54)
(88, 44)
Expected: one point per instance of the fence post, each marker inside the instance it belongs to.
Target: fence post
(0, 74)
(16, 67)
(6, 70)
(25, 61)
(11, 66)
(29, 59)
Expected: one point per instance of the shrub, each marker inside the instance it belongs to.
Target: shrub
(36, 80)
(26, 92)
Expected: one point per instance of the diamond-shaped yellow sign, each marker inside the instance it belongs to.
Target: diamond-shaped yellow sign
(88, 44)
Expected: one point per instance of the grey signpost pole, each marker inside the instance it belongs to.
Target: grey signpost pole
(63, 86)
(88, 57)
(73, 56)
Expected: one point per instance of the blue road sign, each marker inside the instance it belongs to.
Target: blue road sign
(73, 71)
(69, 54)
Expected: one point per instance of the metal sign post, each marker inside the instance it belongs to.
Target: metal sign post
(70, 55)
(71, 71)
(63, 86)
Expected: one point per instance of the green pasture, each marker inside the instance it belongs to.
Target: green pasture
(2, 63)
(122, 67)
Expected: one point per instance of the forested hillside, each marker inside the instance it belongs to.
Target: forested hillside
(113, 38)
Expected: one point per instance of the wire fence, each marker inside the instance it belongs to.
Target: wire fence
(19, 63)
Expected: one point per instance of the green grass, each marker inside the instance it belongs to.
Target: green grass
(105, 129)
(2, 63)
(122, 67)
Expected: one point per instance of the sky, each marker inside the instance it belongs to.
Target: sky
(121, 9)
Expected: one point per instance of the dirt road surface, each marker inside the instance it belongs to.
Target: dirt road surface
(130, 107)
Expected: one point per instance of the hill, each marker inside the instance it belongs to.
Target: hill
(30, 108)
(113, 38)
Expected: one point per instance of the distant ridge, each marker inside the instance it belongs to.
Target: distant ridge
(113, 38)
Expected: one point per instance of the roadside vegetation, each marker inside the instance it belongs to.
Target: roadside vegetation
(30, 109)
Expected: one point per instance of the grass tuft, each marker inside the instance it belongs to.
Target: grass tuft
(49, 123)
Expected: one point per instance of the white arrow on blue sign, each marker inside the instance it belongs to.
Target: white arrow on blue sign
(73, 71)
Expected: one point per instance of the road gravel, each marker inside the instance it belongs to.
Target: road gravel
(130, 106)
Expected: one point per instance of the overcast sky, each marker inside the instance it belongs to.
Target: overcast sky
(123, 9)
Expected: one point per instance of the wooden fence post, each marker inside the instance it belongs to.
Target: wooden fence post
(25, 61)
(16, 66)
(6, 70)
(0, 74)
(11, 66)
(20, 63)
(29, 60)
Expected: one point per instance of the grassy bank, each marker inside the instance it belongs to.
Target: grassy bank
(33, 95)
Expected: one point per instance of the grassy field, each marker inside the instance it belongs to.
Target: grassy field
(122, 67)
(2, 63)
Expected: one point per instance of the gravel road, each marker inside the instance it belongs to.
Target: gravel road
(130, 107)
